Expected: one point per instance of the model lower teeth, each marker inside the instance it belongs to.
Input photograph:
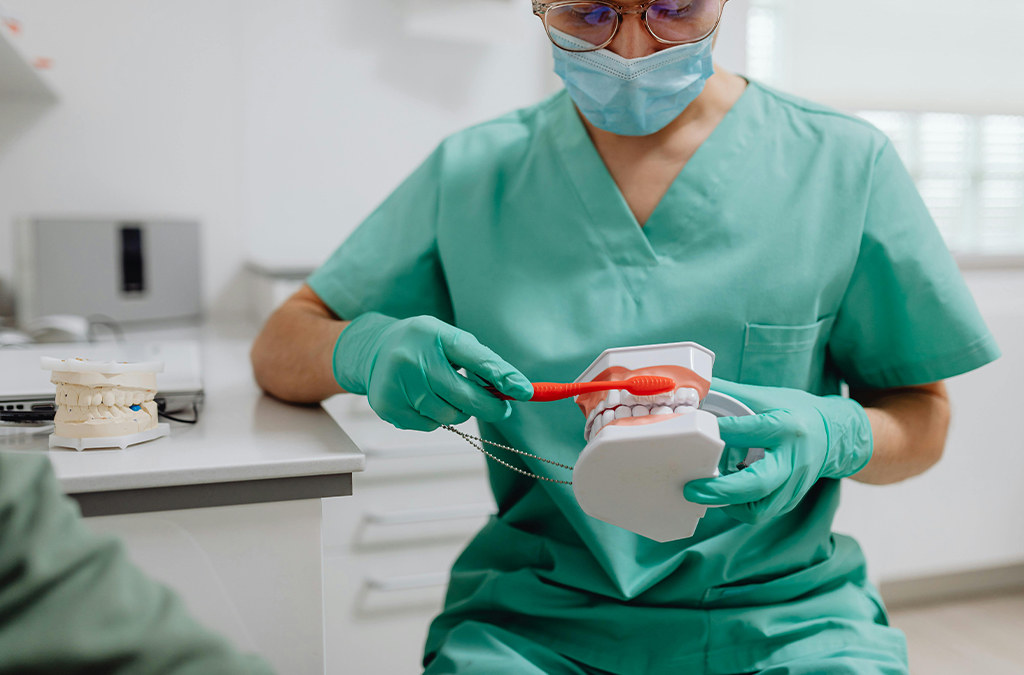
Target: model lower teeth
(620, 404)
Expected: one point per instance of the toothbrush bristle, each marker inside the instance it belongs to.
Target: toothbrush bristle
(649, 386)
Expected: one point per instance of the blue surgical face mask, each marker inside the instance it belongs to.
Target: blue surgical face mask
(633, 97)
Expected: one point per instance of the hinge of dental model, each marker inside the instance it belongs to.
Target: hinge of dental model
(478, 443)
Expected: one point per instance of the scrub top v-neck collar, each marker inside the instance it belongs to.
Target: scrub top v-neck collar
(692, 197)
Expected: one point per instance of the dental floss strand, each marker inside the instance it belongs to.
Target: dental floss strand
(479, 446)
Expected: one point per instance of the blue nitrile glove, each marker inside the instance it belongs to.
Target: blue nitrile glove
(408, 370)
(805, 437)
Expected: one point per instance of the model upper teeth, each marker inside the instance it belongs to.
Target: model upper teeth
(618, 404)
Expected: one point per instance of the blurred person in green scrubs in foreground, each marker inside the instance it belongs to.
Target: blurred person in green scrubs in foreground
(656, 199)
(72, 602)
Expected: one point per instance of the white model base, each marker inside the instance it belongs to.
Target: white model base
(162, 429)
(633, 476)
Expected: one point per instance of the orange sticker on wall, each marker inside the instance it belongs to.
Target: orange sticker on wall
(13, 25)
(42, 63)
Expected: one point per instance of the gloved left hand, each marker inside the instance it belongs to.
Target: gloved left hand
(805, 437)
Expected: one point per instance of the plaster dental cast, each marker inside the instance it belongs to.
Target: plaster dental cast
(657, 199)
(104, 403)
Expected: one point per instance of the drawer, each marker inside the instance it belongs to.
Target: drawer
(406, 515)
(387, 471)
(378, 608)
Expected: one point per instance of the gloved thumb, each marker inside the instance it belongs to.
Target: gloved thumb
(753, 431)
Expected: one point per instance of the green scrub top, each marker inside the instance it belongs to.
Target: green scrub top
(794, 244)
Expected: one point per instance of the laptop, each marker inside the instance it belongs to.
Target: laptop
(27, 395)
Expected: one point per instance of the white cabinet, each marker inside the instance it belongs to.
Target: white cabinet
(389, 548)
(250, 572)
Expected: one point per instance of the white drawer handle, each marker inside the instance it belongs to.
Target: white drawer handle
(408, 582)
(431, 515)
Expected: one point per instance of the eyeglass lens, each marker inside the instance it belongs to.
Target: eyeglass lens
(669, 20)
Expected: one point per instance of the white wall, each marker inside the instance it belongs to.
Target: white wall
(968, 511)
(931, 55)
(148, 122)
(279, 126)
(336, 117)
(731, 43)
(345, 98)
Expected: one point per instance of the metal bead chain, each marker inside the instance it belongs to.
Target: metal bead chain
(479, 446)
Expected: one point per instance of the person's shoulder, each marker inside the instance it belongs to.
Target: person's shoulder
(508, 137)
(813, 120)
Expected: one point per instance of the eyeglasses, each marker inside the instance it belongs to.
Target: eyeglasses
(674, 22)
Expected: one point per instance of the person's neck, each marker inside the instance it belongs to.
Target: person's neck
(644, 167)
(720, 93)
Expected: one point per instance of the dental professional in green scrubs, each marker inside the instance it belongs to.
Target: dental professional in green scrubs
(655, 199)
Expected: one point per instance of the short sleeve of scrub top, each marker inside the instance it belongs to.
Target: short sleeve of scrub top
(907, 317)
(390, 263)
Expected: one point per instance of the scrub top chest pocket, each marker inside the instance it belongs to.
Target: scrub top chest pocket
(786, 356)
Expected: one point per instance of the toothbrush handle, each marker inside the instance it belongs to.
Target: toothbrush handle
(544, 392)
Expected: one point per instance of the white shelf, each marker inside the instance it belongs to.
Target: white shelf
(19, 80)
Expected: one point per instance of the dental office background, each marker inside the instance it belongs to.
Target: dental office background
(280, 125)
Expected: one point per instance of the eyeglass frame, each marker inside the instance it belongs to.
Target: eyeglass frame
(540, 9)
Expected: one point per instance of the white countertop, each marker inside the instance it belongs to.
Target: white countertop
(242, 433)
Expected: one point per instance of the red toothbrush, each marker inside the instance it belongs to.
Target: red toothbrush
(641, 385)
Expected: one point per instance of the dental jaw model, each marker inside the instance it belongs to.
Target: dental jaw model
(104, 404)
(641, 451)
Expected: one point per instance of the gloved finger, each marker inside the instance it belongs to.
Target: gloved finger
(403, 418)
(465, 351)
(749, 485)
(470, 398)
(772, 506)
(410, 423)
(437, 409)
(759, 399)
(745, 513)
(755, 431)
(752, 513)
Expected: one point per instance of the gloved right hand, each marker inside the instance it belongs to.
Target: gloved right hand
(408, 370)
